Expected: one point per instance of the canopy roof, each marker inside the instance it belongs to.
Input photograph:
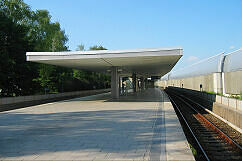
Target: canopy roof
(143, 62)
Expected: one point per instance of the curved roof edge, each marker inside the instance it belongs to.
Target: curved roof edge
(100, 52)
(148, 62)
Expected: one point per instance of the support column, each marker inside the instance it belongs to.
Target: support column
(146, 83)
(142, 83)
(134, 82)
(218, 82)
(137, 84)
(114, 83)
(120, 85)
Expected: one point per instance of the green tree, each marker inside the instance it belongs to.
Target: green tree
(80, 76)
(15, 74)
(50, 37)
(25, 30)
(96, 47)
(91, 80)
(22, 30)
(99, 80)
(18, 11)
(80, 47)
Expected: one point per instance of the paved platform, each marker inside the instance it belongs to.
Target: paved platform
(141, 126)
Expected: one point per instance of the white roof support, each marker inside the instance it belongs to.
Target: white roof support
(114, 82)
(143, 62)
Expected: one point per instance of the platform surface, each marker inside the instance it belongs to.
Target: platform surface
(142, 126)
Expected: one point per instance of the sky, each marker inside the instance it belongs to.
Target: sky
(203, 28)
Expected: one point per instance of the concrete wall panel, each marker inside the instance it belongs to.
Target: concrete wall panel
(210, 82)
(228, 114)
(233, 82)
(239, 105)
(191, 83)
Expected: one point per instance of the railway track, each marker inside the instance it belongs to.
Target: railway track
(206, 132)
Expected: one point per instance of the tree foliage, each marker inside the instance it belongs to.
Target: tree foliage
(15, 74)
(80, 47)
(92, 80)
(95, 47)
(23, 30)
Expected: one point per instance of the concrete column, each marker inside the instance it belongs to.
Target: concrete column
(137, 84)
(146, 83)
(217, 83)
(114, 83)
(142, 83)
(120, 85)
(134, 80)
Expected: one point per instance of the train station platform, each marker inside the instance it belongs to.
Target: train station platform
(140, 126)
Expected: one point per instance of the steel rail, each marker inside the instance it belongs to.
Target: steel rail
(220, 132)
(226, 137)
(188, 126)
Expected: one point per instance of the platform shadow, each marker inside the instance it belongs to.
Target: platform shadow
(108, 130)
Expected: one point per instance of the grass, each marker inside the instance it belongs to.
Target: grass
(212, 92)
(236, 96)
(230, 96)
(194, 152)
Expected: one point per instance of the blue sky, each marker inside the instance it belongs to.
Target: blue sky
(203, 28)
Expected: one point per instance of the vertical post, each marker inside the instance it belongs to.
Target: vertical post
(120, 85)
(142, 83)
(146, 83)
(114, 83)
(222, 81)
(137, 84)
(134, 82)
(223, 89)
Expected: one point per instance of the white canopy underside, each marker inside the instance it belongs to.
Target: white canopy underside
(143, 62)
